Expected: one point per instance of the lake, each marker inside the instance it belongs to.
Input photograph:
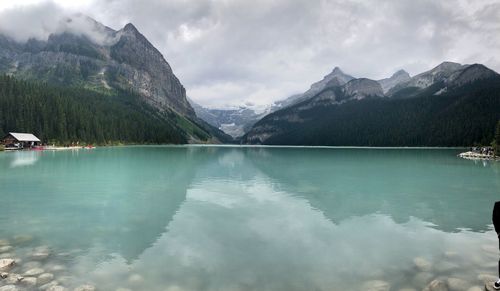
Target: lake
(249, 218)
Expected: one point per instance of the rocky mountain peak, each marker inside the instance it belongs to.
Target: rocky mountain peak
(129, 27)
(447, 66)
(337, 70)
(471, 73)
(336, 77)
(401, 73)
(397, 78)
(90, 54)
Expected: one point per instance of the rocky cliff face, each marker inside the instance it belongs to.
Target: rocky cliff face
(361, 88)
(104, 59)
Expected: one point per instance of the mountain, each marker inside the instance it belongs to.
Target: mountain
(234, 122)
(335, 77)
(122, 59)
(109, 62)
(397, 78)
(449, 105)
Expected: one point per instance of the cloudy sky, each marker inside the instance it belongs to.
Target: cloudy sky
(233, 52)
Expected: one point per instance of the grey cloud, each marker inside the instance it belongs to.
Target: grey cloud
(41, 20)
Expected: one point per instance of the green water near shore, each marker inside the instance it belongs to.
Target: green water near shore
(252, 218)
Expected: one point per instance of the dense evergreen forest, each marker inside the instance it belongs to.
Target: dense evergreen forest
(66, 115)
(462, 117)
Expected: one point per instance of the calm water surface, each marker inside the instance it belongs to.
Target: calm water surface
(230, 218)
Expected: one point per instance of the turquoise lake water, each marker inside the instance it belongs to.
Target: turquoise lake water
(256, 218)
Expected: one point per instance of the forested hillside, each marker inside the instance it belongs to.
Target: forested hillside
(66, 114)
(461, 117)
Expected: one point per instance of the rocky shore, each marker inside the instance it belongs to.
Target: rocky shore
(35, 268)
(24, 265)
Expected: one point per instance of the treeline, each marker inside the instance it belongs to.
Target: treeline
(462, 117)
(67, 115)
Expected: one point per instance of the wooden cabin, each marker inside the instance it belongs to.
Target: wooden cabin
(16, 140)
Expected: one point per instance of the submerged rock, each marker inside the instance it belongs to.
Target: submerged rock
(475, 288)
(9, 288)
(436, 285)
(422, 264)
(29, 281)
(85, 288)
(6, 264)
(34, 272)
(49, 285)
(57, 268)
(489, 287)
(5, 249)
(13, 278)
(45, 278)
(422, 279)
(4, 242)
(65, 280)
(376, 285)
(457, 284)
(487, 278)
(135, 279)
(20, 239)
(57, 288)
(41, 253)
(6, 255)
(445, 267)
(450, 254)
(32, 265)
